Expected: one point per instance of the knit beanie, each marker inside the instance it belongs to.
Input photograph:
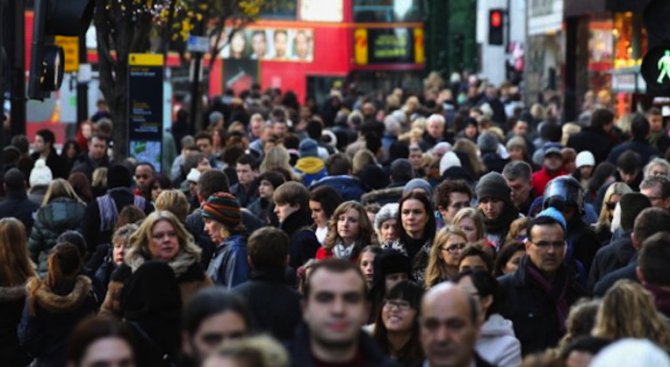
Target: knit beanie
(632, 204)
(555, 214)
(448, 160)
(373, 177)
(40, 175)
(118, 175)
(392, 261)
(493, 185)
(224, 208)
(418, 183)
(487, 143)
(309, 148)
(388, 211)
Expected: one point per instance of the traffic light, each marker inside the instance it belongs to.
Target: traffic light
(655, 66)
(54, 17)
(496, 27)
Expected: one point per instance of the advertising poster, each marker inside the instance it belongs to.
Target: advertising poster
(240, 74)
(279, 44)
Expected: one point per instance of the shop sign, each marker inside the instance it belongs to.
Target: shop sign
(389, 46)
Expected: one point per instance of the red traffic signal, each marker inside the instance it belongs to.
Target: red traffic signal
(496, 27)
(496, 18)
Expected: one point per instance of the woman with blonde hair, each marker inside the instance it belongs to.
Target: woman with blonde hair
(628, 311)
(612, 196)
(61, 210)
(471, 222)
(444, 255)
(349, 231)
(278, 159)
(161, 237)
(99, 181)
(175, 202)
(473, 164)
(15, 270)
(361, 159)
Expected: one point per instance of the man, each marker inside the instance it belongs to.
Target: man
(96, 156)
(657, 189)
(552, 167)
(543, 288)
(496, 207)
(450, 197)
(489, 146)
(267, 251)
(256, 125)
(259, 45)
(434, 132)
(652, 269)
(518, 177)
(144, 173)
(450, 323)
(640, 145)
(206, 145)
(292, 209)
(246, 188)
(16, 203)
(629, 169)
(649, 222)
(596, 138)
(334, 309)
(401, 172)
(280, 38)
(416, 158)
(657, 135)
(44, 148)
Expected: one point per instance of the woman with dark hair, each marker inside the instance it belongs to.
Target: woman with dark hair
(497, 343)
(69, 154)
(509, 258)
(366, 261)
(322, 203)
(54, 306)
(603, 176)
(475, 258)
(82, 186)
(415, 226)
(100, 341)
(349, 230)
(397, 324)
(157, 185)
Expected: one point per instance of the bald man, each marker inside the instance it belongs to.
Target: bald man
(450, 325)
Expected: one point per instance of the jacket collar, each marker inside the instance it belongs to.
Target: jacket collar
(302, 354)
(269, 275)
(295, 221)
(54, 302)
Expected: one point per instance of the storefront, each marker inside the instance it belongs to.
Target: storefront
(546, 47)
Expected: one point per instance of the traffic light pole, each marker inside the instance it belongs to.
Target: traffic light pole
(3, 64)
(17, 82)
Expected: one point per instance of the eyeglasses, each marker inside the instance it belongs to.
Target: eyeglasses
(558, 245)
(399, 304)
(454, 247)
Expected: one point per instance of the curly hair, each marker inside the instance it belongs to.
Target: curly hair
(365, 230)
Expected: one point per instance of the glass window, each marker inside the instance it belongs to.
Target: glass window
(280, 9)
(389, 10)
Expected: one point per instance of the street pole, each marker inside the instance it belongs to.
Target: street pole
(3, 65)
(17, 76)
(82, 86)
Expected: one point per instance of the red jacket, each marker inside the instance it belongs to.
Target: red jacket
(541, 178)
(323, 253)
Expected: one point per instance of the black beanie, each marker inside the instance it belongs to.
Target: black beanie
(373, 177)
(632, 204)
(493, 185)
(392, 261)
(118, 175)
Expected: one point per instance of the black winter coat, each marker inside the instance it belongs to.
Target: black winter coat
(303, 240)
(598, 143)
(17, 205)
(610, 258)
(12, 300)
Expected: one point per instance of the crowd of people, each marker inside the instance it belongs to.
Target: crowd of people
(457, 227)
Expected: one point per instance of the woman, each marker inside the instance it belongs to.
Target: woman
(157, 185)
(15, 270)
(603, 175)
(69, 154)
(61, 210)
(366, 262)
(508, 258)
(612, 196)
(657, 167)
(397, 324)
(518, 230)
(415, 225)
(278, 159)
(114, 258)
(263, 207)
(475, 258)
(322, 203)
(444, 256)
(175, 202)
(349, 230)
(385, 224)
(471, 222)
(99, 181)
(497, 343)
(81, 186)
(160, 237)
(54, 306)
(257, 351)
(84, 133)
(101, 342)
(473, 164)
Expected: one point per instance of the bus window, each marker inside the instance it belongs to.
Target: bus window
(388, 10)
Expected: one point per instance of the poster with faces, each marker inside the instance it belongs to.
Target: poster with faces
(276, 44)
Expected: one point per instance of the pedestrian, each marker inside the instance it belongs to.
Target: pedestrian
(263, 207)
(444, 255)
(40, 178)
(366, 261)
(496, 206)
(257, 351)
(475, 258)
(323, 201)
(16, 203)
(292, 209)
(100, 341)
(349, 231)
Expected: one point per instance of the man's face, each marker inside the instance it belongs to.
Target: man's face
(448, 331)
(39, 145)
(143, 174)
(521, 128)
(628, 177)
(301, 46)
(435, 129)
(415, 158)
(259, 45)
(655, 195)
(658, 170)
(284, 210)
(457, 201)
(491, 207)
(546, 246)
(244, 173)
(280, 129)
(335, 309)
(553, 162)
(520, 191)
(213, 330)
(97, 148)
(280, 44)
(655, 123)
(256, 127)
(205, 146)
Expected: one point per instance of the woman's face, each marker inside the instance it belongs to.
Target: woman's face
(451, 250)
(398, 315)
(414, 217)
(119, 251)
(318, 214)
(71, 151)
(387, 232)
(516, 154)
(164, 243)
(216, 138)
(366, 263)
(109, 352)
(348, 225)
(266, 190)
(155, 191)
(513, 263)
(86, 130)
(213, 229)
(586, 171)
(467, 225)
(658, 170)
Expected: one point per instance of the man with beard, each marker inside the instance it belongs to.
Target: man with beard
(496, 207)
(450, 323)
(334, 310)
(541, 291)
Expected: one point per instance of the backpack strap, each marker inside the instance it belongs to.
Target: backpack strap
(108, 212)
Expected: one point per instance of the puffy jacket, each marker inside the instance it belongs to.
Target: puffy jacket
(497, 343)
(60, 215)
(311, 169)
(349, 187)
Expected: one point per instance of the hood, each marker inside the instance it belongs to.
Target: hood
(309, 165)
(10, 294)
(62, 214)
(53, 302)
(497, 325)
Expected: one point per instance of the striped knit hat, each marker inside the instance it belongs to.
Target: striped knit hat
(223, 208)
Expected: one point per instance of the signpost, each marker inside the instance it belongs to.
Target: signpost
(145, 107)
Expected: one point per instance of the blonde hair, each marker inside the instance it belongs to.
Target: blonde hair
(617, 188)
(99, 178)
(568, 130)
(516, 227)
(470, 149)
(139, 240)
(257, 351)
(361, 159)
(476, 217)
(15, 264)
(628, 311)
(278, 159)
(173, 201)
(60, 188)
(436, 269)
(123, 233)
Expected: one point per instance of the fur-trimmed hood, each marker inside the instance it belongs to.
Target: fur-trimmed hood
(56, 303)
(179, 265)
(11, 294)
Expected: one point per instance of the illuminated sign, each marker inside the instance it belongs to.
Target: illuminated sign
(389, 46)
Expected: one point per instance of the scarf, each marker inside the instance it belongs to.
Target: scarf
(343, 252)
(501, 224)
(556, 290)
(661, 297)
